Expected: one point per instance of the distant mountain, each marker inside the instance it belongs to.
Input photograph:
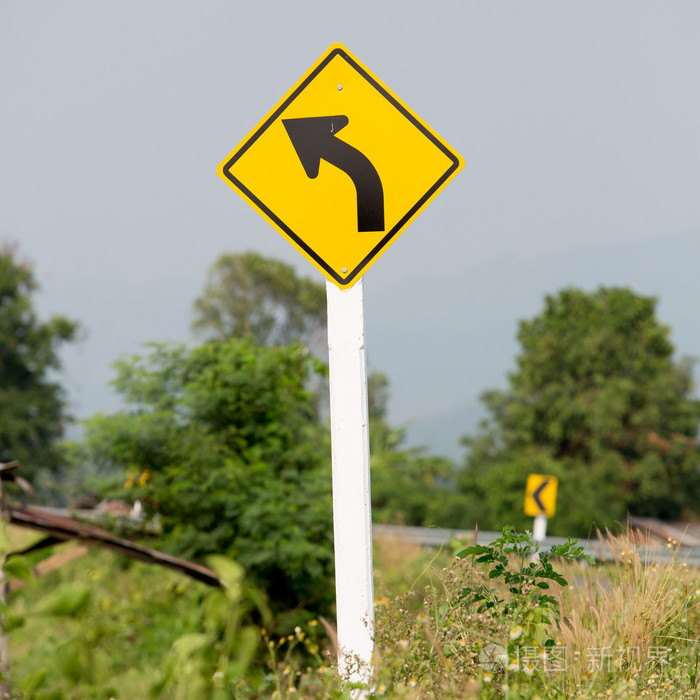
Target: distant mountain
(443, 340)
(440, 434)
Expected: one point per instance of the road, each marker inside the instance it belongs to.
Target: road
(598, 549)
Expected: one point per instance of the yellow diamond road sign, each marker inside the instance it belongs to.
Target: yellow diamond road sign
(340, 166)
(541, 495)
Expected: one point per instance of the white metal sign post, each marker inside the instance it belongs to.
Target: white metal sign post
(352, 518)
(340, 166)
(539, 528)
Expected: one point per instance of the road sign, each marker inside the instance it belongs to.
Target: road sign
(541, 495)
(340, 166)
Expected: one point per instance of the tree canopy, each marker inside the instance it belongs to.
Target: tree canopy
(224, 444)
(248, 295)
(32, 403)
(598, 400)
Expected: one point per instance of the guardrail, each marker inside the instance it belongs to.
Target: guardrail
(442, 537)
(598, 549)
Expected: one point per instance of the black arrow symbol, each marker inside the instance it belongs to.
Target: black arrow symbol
(537, 493)
(314, 139)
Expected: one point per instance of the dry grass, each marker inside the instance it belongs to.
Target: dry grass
(628, 628)
(401, 567)
(619, 617)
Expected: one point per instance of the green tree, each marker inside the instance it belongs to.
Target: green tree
(32, 403)
(597, 400)
(224, 444)
(248, 295)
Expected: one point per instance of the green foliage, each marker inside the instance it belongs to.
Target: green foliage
(32, 404)
(518, 573)
(151, 632)
(68, 601)
(599, 636)
(224, 444)
(103, 628)
(207, 664)
(494, 599)
(377, 400)
(598, 401)
(531, 612)
(408, 486)
(248, 295)
(18, 567)
(106, 628)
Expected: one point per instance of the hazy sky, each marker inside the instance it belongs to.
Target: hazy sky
(579, 123)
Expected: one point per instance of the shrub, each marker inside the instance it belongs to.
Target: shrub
(223, 442)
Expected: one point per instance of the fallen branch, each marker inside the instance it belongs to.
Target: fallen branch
(60, 528)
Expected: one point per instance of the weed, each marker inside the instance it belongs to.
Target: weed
(500, 625)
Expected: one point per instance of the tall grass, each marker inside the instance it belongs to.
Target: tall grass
(628, 628)
(633, 620)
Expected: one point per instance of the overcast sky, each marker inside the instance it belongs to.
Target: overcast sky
(579, 123)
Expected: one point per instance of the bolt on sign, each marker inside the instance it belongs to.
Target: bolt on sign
(541, 495)
(340, 166)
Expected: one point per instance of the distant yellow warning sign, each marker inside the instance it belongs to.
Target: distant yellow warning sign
(541, 495)
(340, 166)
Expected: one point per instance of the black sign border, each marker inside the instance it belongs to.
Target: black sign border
(397, 228)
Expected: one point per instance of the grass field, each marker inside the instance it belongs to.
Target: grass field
(104, 627)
